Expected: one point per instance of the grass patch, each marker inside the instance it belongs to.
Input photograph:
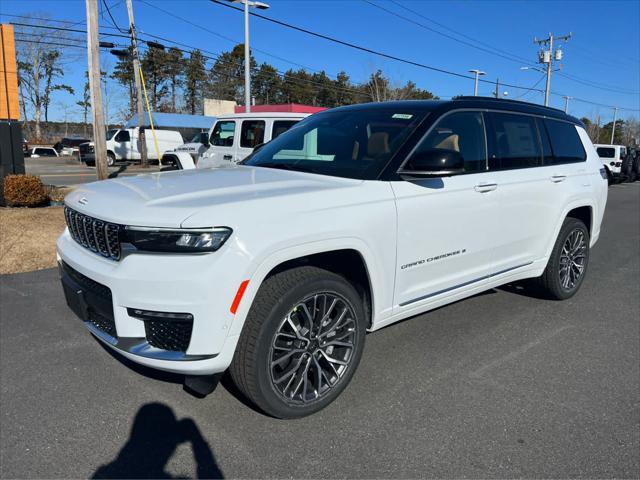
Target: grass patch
(28, 238)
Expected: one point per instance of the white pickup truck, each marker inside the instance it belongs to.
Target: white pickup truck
(354, 219)
(231, 139)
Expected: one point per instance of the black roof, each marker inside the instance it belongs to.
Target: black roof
(469, 102)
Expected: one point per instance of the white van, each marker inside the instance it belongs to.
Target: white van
(233, 137)
(611, 157)
(124, 144)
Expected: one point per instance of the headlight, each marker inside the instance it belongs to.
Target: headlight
(179, 240)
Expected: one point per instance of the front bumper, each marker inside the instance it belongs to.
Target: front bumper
(160, 283)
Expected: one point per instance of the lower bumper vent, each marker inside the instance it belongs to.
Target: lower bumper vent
(166, 330)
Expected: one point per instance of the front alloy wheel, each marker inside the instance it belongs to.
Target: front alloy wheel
(312, 348)
(301, 342)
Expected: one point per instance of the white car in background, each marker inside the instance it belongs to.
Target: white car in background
(356, 218)
(124, 145)
(233, 137)
(611, 157)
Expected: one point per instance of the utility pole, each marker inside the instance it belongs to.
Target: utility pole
(547, 56)
(613, 130)
(497, 92)
(136, 71)
(566, 103)
(95, 87)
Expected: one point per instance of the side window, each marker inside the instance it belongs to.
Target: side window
(44, 152)
(606, 152)
(252, 133)
(463, 133)
(515, 142)
(123, 136)
(547, 151)
(281, 126)
(222, 135)
(565, 142)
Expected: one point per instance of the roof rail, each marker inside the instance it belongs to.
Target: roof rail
(504, 100)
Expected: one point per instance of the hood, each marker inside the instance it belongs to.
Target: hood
(168, 199)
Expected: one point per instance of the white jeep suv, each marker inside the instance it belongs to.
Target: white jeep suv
(354, 219)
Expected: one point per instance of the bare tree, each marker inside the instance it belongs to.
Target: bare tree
(39, 65)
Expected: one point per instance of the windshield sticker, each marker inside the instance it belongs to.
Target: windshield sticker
(403, 116)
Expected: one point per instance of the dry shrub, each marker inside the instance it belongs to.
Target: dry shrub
(24, 191)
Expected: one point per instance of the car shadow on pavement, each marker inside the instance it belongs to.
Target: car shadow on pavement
(526, 288)
(155, 435)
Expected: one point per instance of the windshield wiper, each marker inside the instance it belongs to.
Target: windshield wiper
(285, 166)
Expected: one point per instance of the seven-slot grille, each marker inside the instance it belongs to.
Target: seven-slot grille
(97, 235)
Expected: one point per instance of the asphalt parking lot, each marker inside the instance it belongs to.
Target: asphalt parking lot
(68, 171)
(500, 385)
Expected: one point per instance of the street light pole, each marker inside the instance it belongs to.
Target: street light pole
(477, 73)
(566, 103)
(247, 50)
(247, 60)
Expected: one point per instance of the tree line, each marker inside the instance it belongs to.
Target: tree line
(179, 83)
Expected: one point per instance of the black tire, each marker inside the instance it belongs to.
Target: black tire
(278, 299)
(111, 159)
(551, 282)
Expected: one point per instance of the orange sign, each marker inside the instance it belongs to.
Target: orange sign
(9, 103)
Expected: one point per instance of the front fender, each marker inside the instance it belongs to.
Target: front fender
(183, 160)
(257, 275)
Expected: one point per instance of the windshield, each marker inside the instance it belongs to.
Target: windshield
(348, 143)
(111, 133)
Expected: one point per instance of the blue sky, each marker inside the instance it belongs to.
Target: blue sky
(605, 47)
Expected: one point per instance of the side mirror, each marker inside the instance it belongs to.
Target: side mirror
(433, 163)
(204, 139)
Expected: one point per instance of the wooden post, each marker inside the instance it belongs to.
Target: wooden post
(95, 86)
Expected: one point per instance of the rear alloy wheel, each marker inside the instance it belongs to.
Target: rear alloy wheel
(568, 262)
(301, 343)
(111, 159)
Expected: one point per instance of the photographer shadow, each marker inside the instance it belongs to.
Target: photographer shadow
(155, 435)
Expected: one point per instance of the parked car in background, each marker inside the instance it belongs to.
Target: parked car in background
(233, 138)
(195, 148)
(356, 218)
(611, 157)
(69, 145)
(628, 168)
(37, 152)
(124, 145)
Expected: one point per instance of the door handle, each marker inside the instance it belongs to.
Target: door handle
(485, 187)
(558, 178)
(228, 157)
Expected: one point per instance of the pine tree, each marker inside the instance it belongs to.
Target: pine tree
(195, 76)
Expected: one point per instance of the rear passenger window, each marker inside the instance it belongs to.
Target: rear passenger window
(281, 126)
(463, 133)
(604, 152)
(252, 133)
(565, 142)
(515, 142)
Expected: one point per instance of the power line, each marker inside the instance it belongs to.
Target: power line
(505, 55)
(389, 56)
(194, 24)
(113, 20)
